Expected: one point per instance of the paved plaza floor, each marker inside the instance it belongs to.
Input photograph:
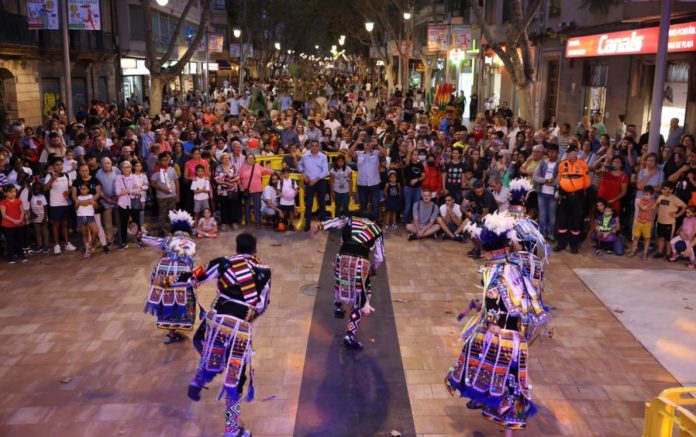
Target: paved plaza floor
(80, 358)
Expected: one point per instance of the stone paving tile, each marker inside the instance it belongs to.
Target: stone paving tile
(80, 358)
(590, 379)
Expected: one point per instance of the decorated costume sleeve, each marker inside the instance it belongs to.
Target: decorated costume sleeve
(336, 223)
(265, 298)
(380, 254)
(152, 241)
(201, 274)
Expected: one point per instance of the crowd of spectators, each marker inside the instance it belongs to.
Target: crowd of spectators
(113, 171)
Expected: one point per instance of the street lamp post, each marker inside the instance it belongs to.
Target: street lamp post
(237, 34)
(206, 85)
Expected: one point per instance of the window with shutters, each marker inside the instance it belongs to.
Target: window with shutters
(137, 23)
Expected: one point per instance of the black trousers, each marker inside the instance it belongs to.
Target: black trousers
(570, 216)
(124, 214)
(319, 190)
(15, 242)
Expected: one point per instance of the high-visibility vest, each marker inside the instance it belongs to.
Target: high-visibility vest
(573, 176)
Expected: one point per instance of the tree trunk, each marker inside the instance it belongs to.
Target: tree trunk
(526, 102)
(156, 84)
(427, 75)
(389, 74)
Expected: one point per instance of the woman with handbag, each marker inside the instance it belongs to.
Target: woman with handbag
(227, 186)
(250, 175)
(128, 189)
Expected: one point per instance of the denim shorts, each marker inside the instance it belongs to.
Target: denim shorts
(84, 220)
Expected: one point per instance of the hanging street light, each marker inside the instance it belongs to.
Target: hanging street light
(369, 26)
(277, 46)
(237, 33)
(163, 2)
(407, 16)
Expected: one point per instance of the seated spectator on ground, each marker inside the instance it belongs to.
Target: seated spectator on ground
(425, 215)
(450, 219)
(606, 236)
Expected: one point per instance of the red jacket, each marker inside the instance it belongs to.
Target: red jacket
(433, 180)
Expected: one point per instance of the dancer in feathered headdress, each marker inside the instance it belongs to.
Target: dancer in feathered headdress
(175, 307)
(492, 367)
(519, 190)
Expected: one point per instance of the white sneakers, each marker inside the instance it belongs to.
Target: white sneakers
(68, 248)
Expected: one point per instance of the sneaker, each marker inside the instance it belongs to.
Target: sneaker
(106, 250)
(12, 261)
(122, 246)
(609, 252)
(56, 249)
(69, 247)
(351, 343)
(45, 249)
(446, 237)
(412, 237)
(692, 266)
(458, 238)
(674, 257)
(23, 259)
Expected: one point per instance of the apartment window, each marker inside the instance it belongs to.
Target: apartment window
(137, 23)
(552, 72)
(219, 4)
(555, 8)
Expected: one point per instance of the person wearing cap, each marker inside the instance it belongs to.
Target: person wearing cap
(573, 181)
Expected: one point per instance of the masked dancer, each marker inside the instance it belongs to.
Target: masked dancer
(492, 367)
(175, 307)
(353, 270)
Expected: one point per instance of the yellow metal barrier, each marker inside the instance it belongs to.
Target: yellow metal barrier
(276, 161)
(667, 413)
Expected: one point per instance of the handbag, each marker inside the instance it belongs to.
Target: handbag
(245, 193)
(135, 202)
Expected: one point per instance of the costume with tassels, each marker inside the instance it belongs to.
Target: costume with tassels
(224, 338)
(492, 367)
(533, 250)
(353, 270)
(175, 307)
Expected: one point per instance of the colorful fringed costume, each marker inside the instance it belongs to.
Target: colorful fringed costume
(492, 367)
(174, 307)
(353, 270)
(224, 338)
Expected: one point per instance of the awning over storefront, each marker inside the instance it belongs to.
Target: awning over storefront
(682, 38)
(223, 65)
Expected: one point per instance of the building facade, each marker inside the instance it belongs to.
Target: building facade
(31, 64)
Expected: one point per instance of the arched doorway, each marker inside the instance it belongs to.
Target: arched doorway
(8, 92)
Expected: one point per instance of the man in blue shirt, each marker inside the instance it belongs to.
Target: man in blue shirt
(288, 136)
(369, 180)
(314, 167)
(285, 101)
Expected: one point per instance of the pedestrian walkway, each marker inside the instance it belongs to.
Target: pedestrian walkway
(347, 393)
(80, 358)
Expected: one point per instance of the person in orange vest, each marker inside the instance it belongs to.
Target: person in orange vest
(573, 181)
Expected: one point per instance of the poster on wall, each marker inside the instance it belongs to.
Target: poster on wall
(461, 37)
(437, 38)
(216, 42)
(84, 15)
(406, 48)
(42, 14)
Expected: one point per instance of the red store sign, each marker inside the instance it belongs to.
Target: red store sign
(682, 38)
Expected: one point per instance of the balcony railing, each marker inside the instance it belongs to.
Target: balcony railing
(14, 29)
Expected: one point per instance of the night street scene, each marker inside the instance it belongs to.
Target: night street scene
(313, 218)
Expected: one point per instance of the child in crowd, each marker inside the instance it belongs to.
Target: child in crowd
(683, 244)
(341, 185)
(200, 187)
(39, 217)
(669, 207)
(269, 209)
(392, 191)
(85, 218)
(287, 188)
(642, 225)
(206, 226)
(13, 224)
(70, 164)
(607, 230)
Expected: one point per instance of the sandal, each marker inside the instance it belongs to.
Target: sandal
(644, 257)
(173, 338)
(631, 254)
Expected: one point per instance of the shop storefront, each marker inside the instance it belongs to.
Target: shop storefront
(135, 77)
(618, 69)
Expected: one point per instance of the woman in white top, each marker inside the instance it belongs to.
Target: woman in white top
(128, 190)
(138, 171)
(270, 199)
